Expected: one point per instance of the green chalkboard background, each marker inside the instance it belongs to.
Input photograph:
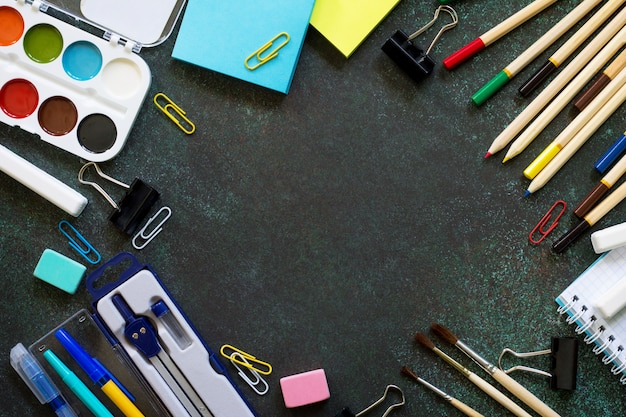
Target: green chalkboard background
(323, 228)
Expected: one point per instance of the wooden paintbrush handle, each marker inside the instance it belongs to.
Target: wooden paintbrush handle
(465, 409)
(523, 394)
(494, 393)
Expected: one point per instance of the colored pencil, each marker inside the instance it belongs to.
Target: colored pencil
(607, 75)
(552, 89)
(577, 141)
(570, 46)
(566, 95)
(495, 33)
(533, 51)
(568, 133)
(614, 152)
(593, 217)
(597, 192)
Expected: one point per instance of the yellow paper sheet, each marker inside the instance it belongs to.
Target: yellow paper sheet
(346, 23)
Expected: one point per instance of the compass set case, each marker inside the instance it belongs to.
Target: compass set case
(142, 337)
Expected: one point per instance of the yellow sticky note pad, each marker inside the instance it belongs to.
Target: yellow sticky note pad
(346, 23)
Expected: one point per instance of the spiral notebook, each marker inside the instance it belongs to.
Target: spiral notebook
(596, 303)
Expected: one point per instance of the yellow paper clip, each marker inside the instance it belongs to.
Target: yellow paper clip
(258, 54)
(250, 359)
(171, 109)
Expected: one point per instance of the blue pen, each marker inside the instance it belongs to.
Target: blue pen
(611, 155)
(38, 381)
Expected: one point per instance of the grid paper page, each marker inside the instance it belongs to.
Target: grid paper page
(609, 335)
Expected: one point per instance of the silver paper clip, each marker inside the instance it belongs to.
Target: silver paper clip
(79, 243)
(256, 380)
(147, 237)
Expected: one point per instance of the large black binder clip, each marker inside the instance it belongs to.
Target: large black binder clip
(133, 207)
(412, 59)
(563, 362)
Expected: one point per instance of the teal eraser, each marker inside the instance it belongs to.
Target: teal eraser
(59, 270)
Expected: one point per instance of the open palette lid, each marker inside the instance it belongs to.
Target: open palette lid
(142, 22)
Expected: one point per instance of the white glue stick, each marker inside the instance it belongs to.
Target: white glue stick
(44, 184)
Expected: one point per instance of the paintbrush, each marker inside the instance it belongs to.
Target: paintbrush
(489, 389)
(506, 381)
(466, 409)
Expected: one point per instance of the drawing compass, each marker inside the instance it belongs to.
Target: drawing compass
(143, 336)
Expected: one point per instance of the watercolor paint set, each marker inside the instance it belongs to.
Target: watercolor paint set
(72, 75)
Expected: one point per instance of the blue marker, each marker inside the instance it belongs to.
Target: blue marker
(38, 381)
(611, 155)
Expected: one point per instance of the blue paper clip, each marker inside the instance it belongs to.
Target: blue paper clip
(541, 226)
(84, 249)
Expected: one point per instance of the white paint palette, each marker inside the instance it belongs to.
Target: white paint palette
(75, 90)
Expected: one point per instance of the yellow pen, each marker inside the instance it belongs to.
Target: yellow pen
(98, 374)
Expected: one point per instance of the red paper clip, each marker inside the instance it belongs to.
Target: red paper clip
(540, 228)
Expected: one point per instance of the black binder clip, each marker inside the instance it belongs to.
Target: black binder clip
(346, 412)
(563, 362)
(410, 57)
(133, 207)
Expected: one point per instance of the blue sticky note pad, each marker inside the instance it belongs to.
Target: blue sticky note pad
(59, 270)
(220, 34)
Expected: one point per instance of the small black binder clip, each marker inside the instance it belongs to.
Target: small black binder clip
(412, 59)
(563, 362)
(133, 207)
(346, 412)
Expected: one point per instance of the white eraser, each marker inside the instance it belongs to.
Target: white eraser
(609, 238)
(613, 300)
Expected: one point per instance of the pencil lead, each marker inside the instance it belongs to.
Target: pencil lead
(527, 193)
(487, 155)
(506, 158)
(444, 333)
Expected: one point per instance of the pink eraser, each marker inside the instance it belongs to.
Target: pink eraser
(305, 388)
